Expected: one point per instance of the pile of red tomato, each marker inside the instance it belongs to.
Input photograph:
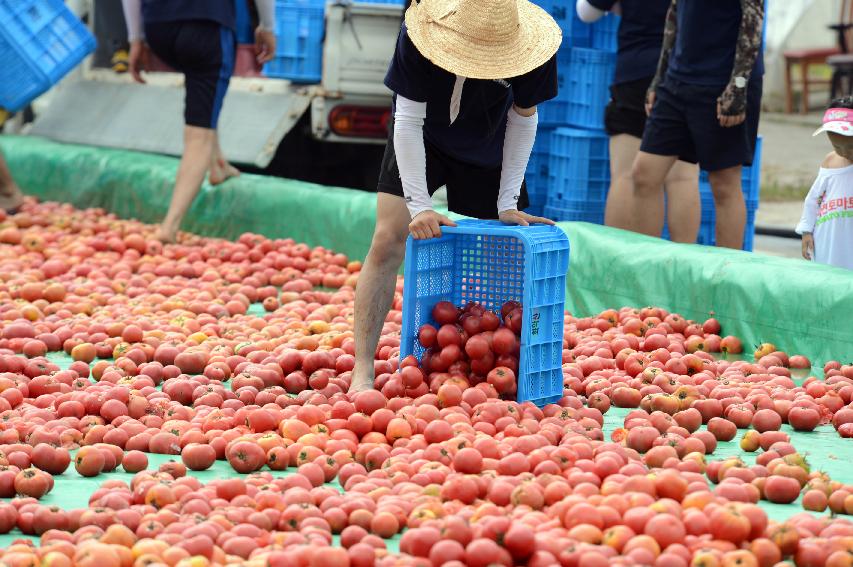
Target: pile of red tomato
(170, 357)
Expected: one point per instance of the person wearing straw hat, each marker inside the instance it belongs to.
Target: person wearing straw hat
(467, 76)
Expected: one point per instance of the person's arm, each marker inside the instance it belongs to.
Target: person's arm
(588, 13)
(732, 103)
(521, 125)
(805, 227)
(265, 32)
(133, 18)
(411, 161)
(669, 32)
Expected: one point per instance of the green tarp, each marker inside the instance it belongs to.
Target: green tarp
(801, 307)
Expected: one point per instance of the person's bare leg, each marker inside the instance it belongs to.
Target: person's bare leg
(684, 207)
(731, 208)
(198, 147)
(648, 173)
(10, 194)
(375, 290)
(220, 169)
(619, 212)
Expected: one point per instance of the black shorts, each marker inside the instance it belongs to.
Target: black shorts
(471, 190)
(626, 111)
(684, 123)
(204, 52)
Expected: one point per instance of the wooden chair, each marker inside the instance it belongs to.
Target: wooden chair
(805, 58)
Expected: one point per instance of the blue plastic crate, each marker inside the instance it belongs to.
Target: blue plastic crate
(579, 166)
(575, 32)
(491, 263)
(605, 33)
(299, 27)
(555, 112)
(40, 42)
(561, 214)
(537, 174)
(589, 86)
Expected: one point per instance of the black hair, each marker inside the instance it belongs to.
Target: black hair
(842, 102)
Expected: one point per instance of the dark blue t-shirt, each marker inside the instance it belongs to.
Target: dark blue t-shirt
(640, 37)
(220, 11)
(477, 134)
(706, 42)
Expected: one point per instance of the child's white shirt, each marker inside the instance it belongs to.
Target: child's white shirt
(828, 215)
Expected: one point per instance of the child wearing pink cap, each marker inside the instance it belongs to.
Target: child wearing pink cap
(827, 222)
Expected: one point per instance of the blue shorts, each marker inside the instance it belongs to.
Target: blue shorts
(204, 51)
(684, 123)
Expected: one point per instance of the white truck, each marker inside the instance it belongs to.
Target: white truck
(330, 132)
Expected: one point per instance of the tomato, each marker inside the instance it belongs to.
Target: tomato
(502, 378)
(445, 313)
(449, 335)
(51, 460)
(245, 457)
(504, 342)
(476, 347)
(198, 457)
(508, 307)
(32, 482)
(134, 461)
(89, 461)
(471, 324)
(513, 321)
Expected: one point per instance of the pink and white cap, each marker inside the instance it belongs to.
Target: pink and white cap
(838, 121)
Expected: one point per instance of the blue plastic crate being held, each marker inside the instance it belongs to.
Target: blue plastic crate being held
(491, 263)
(299, 27)
(579, 167)
(589, 86)
(40, 42)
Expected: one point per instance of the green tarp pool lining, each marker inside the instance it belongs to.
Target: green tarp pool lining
(801, 307)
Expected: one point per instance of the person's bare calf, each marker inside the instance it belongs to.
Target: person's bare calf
(375, 290)
(619, 211)
(198, 147)
(220, 169)
(684, 212)
(649, 173)
(731, 208)
(11, 197)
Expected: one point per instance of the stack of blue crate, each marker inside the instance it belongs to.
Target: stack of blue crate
(568, 173)
(299, 27)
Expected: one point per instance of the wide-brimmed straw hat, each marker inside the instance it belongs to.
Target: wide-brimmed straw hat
(483, 39)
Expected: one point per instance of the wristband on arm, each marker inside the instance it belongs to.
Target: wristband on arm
(518, 143)
(411, 153)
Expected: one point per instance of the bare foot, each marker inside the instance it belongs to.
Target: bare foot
(11, 199)
(167, 236)
(360, 386)
(221, 171)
